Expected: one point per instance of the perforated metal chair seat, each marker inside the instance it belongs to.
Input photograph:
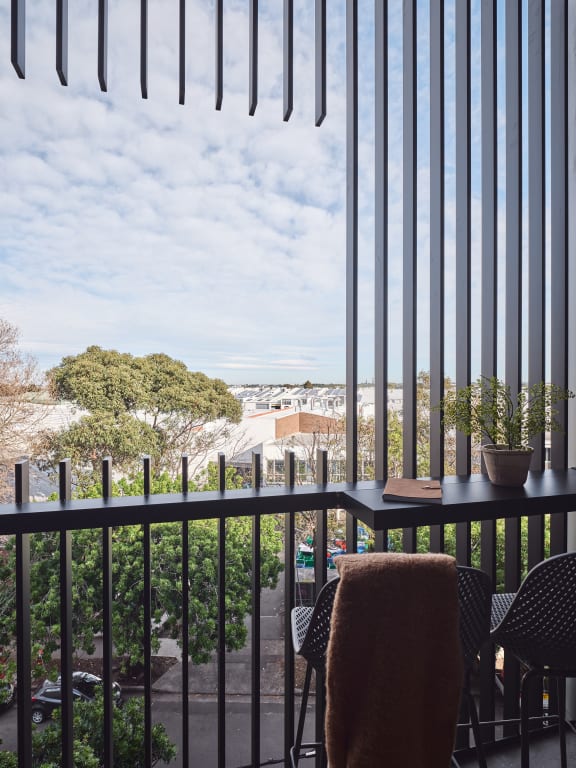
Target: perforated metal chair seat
(500, 604)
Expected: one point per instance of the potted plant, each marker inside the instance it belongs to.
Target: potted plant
(486, 410)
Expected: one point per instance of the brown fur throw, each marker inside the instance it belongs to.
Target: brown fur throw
(394, 670)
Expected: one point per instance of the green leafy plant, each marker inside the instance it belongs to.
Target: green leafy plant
(487, 411)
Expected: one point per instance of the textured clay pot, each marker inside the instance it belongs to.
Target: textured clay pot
(507, 467)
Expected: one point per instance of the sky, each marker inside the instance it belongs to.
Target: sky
(215, 237)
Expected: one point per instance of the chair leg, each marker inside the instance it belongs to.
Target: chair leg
(476, 731)
(524, 723)
(561, 688)
(295, 751)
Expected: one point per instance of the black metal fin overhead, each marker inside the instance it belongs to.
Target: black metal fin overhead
(182, 52)
(18, 35)
(320, 61)
(103, 44)
(144, 48)
(253, 98)
(288, 35)
(62, 40)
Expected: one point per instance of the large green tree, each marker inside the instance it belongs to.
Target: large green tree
(136, 405)
(128, 580)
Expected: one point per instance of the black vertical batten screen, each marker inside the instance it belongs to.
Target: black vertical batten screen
(219, 27)
(488, 352)
(351, 258)
(288, 53)
(536, 242)
(289, 602)
(409, 241)
(320, 61)
(513, 194)
(381, 238)
(147, 629)
(23, 632)
(18, 37)
(463, 207)
(62, 40)
(103, 44)
(185, 624)
(559, 268)
(513, 340)
(536, 207)
(409, 271)
(437, 229)
(253, 87)
(182, 52)
(255, 713)
(463, 245)
(221, 621)
(559, 219)
(351, 240)
(489, 188)
(107, 602)
(66, 644)
(144, 48)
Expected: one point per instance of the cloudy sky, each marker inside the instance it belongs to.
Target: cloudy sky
(218, 238)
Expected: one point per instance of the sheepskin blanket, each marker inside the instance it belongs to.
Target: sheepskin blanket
(394, 670)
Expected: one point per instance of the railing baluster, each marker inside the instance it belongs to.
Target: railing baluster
(147, 605)
(185, 623)
(107, 603)
(23, 634)
(289, 603)
(144, 48)
(221, 620)
(66, 642)
(319, 581)
(255, 730)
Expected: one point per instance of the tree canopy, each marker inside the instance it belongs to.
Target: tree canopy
(136, 405)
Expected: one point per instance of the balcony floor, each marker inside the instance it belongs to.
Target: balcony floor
(544, 753)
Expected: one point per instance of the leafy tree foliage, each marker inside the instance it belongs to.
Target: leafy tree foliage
(88, 730)
(137, 405)
(166, 575)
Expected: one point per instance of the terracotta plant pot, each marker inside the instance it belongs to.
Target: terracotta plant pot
(507, 467)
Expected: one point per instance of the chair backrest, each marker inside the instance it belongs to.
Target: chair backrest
(540, 624)
(316, 628)
(475, 604)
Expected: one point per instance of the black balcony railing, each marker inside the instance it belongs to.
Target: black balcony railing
(503, 552)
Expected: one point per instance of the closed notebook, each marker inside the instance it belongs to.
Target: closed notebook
(418, 491)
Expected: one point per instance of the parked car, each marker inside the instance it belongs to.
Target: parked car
(84, 687)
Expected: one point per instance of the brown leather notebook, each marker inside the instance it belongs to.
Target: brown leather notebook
(418, 491)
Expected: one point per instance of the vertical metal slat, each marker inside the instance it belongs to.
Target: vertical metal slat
(103, 44)
(62, 40)
(288, 53)
(147, 633)
(409, 242)
(320, 61)
(181, 51)
(253, 85)
(321, 545)
(536, 209)
(437, 231)
(144, 48)
(18, 37)
(219, 64)
(381, 239)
